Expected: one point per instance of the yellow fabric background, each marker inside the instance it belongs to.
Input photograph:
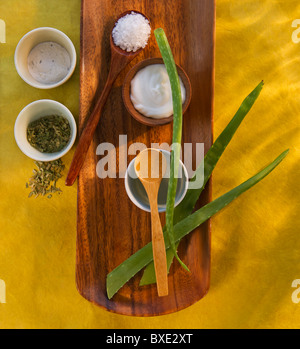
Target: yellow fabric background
(255, 241)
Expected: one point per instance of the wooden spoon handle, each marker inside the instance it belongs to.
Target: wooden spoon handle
(87, 135)
(159, 250)
(118, 62)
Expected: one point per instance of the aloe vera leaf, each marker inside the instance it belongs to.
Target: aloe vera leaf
(170, 65)
(149, 276)
(210, 160)
(214, 153)
(127, 269)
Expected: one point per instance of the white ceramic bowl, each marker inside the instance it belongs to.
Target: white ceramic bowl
(33, 38)
(138, 195)
(34, 111)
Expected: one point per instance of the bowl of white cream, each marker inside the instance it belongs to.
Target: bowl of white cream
(147, 92)
(45, 58)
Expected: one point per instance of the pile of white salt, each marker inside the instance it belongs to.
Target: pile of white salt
(131, 32)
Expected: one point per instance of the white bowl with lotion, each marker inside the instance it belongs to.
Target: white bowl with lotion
(127, 86)
(137, 194)
(34, 111)
(58, 61)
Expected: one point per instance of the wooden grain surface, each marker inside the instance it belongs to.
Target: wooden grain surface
(109, 227)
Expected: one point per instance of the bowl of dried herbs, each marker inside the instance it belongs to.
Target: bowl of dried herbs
(45, 130)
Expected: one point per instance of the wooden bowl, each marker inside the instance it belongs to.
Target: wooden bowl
(129, 105)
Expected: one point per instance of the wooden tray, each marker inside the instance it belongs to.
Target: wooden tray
(109, 227)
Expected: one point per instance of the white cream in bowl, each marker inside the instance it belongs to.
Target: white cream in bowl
(150, 92)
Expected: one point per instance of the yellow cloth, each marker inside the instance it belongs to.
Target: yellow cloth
(255, 241)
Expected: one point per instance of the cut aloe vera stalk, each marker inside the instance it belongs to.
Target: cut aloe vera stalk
(170, 65)
(126, 270)
(210, 160)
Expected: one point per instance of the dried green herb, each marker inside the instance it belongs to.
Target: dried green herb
(49, 134)
(43, 181)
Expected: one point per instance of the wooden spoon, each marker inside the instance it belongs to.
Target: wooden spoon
(150, 166)
(119, 60)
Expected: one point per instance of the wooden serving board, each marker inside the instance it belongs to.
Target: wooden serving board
(110, 228)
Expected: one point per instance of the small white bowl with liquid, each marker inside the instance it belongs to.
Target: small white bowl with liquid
(39, 36)
(137, 194)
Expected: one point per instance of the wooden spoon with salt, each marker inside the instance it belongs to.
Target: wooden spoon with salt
(119, 60)
(150, 166)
